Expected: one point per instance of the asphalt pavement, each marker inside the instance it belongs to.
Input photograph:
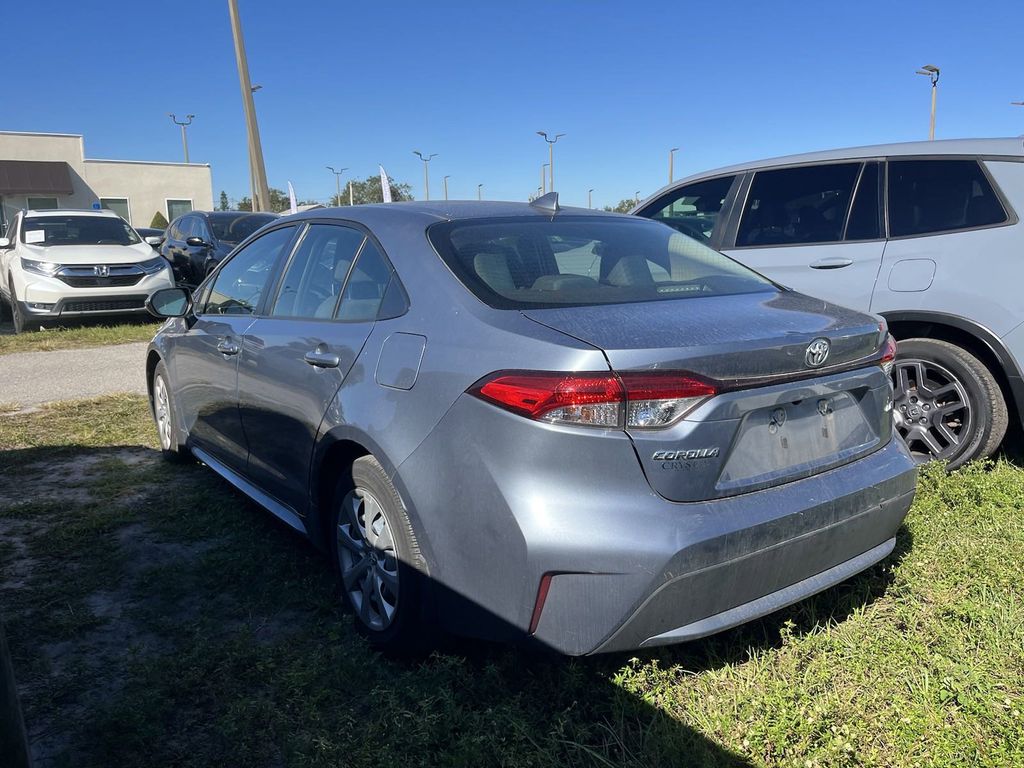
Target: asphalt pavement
(32, 378)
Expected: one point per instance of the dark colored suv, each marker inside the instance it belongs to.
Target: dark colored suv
(196, 242)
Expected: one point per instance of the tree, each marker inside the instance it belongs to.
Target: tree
(279, 202)
(159, 221)
(368, 191)
(624, 206)
(224, 204)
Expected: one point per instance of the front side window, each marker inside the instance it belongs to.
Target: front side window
(519, 263)
(241, 281)
(790, 206)
(77, 230)
(693, 209)
(939, 196)
(313, 281)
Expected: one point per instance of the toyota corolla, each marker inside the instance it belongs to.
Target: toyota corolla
(515, 421)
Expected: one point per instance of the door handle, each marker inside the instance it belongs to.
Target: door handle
(321, 358)
(228, 347)
(831, 263)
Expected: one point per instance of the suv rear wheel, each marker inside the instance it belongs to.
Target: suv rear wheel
(948, 406)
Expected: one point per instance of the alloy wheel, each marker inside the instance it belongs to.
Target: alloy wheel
(162, 412)
(367, 558)
(932, 411)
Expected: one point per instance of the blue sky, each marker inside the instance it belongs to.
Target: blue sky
(357, 84)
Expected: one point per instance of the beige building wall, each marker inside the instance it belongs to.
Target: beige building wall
(147, 186)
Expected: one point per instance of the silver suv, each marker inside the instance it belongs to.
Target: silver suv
(925, 234)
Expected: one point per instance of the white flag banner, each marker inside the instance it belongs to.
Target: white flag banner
(385, 185)
(291, 199)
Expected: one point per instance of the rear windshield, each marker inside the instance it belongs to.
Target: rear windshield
(77, 230)
(519, 263)
(234, 229)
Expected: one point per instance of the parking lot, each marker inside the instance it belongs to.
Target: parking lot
(157, 617)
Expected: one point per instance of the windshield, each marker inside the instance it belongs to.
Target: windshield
(519, 263)
(77, 230)
(234, 229)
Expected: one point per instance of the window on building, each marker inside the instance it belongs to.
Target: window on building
(798, 205)
(41, 203)
(176, 208)
(940, 195)
(118, 205)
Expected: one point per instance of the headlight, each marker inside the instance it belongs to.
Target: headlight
(46, 268)
(151, 266)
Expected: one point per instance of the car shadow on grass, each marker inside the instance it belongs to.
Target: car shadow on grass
(156, 616)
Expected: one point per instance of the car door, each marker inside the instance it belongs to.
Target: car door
(814, 228)
(206, 356)
(297, 357)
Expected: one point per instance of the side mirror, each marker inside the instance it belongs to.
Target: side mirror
(169, 302)
(5, 243)
(154, 240)
(196, 242)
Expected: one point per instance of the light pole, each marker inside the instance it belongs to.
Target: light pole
(252, 129)
(445, 180)
(932, 73)
(544, 178)
(637, 197)
(184, 124)
(671, 163)
(426, 176)
(590, 198)
(551, 153)
(479, 191)
(337, 181)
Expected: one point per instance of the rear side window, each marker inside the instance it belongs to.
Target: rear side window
(366, 286)
(865, 219)
(314, 279)
(940, 196)
(524, 262)
(798, 205)
(693, 209)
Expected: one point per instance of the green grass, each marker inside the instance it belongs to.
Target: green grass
(157, 618)
(75, 337)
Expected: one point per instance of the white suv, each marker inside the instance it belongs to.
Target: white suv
(64, 264)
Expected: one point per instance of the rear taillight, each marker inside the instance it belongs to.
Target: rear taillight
(888, 354)
(634, 400)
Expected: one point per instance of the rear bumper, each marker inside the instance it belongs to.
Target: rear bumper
(499, 502)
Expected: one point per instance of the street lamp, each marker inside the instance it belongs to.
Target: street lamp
(184, 124)
(544, 178)
(932, 73)
(337, 181)
(671, 159)
(445, 180)
(479, 191)
(637, 197)
(551, 153)
(426, 176)
(590, 198)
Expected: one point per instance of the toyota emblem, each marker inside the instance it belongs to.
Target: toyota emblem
(817, 353)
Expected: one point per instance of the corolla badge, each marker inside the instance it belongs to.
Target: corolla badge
(817, 352)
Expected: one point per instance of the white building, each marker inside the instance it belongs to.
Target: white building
(50, 170)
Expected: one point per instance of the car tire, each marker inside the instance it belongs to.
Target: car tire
(377, 559)
(17, 316)
(948, 405)
(165, 416)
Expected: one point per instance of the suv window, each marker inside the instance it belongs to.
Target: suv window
(365, 288)
(939, 196)
(797, 205)
(240, 282)
(865, 221)
(693, 209)
(316, 275)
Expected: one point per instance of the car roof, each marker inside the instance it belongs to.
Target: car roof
(232, 214)
(1000, 147)
(71, 212)
(377, 214)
